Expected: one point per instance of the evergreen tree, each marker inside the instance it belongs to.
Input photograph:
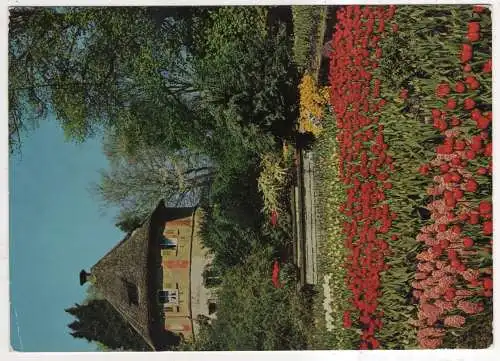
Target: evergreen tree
(98, 321)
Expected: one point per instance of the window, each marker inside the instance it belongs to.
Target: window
(132, 293)
(212, 308)
(169, 296)
(168, 242)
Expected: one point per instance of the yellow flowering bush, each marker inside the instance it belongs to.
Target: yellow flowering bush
(271, 182)
(312, 105)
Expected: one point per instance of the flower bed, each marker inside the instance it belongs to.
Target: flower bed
(312, 104)
(411, 92)
(364, 165)
(454, 278)
(331, 254)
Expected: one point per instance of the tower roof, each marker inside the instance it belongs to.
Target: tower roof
(129, 275)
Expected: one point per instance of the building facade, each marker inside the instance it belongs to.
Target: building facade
(153, 277)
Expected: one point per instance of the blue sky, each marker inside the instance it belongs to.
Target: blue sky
(56, 229)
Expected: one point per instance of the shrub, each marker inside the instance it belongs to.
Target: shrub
(252, 314)
(308, 29)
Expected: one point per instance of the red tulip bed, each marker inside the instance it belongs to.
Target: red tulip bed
(411, 98)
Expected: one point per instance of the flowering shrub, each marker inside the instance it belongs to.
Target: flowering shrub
(271, 183)
(312, 103)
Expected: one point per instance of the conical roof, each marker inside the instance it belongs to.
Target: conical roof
(129, 275)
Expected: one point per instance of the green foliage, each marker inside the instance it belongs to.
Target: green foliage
(98, 321)
(248, 69)
(102, 69)
(228, 91)
(332, 253)
(128, 222)
(252, 314)
(308, 32)
(245, 96)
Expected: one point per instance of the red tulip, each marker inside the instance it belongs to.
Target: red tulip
(475, 114)
(442, 90)
(488, 150)
(476, 143)
(468, 242)
(485, 207)
(473, 27)
(424, 169)
(471, 185)
(455, 121)
(473, 31)
(451, 104)
(403, 94)
(459, 144)
(458, 193)
(473, 36)
(444, 243)
(478, 9)
(450, 294)
(488, 283)
(472, 82)
(482, 171)
(444, 168)
(274, 218)
(437, 250)
(468, 67)
(459, 87)
(455, 263)
(469, 104)
(483, 123)
(473, 218)
(487, 66)
(470, 154)
(456, 229)
(436, 113)
(487, 228)
(466, 53)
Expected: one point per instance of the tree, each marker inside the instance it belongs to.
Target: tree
(247, 66)
(127, 221)
(97, 321)
(95, 68)
(137, 183)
